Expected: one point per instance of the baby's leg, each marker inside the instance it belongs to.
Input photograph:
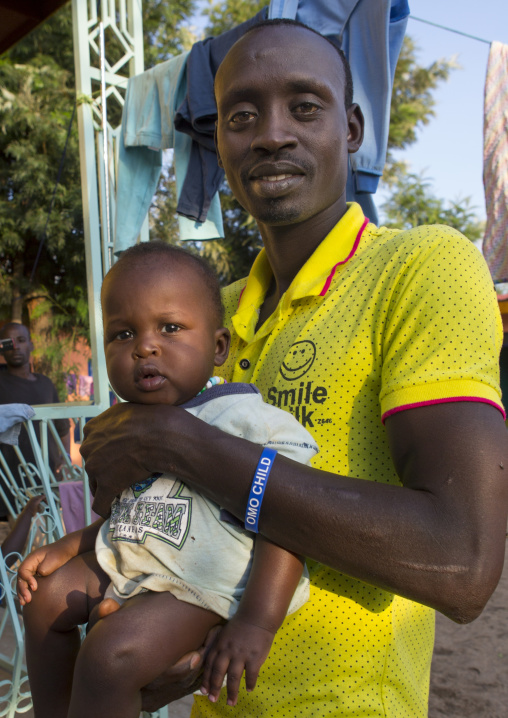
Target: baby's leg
(130, 648)
(61, 603)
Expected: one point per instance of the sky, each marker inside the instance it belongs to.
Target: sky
(449, 149)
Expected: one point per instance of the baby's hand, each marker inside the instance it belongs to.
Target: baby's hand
(240, 646)
(42, 562)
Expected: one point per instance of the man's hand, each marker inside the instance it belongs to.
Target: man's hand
(114, 447)
(240, 646)
(179, 680)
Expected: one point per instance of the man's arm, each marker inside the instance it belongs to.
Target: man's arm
(438, 539)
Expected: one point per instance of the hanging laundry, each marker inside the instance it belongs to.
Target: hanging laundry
(151, 102)
(196, 117)
(495, 162)
(371, 36)
(172, 105)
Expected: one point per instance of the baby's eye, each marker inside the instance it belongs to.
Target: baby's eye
(170, 328)
(122, 336)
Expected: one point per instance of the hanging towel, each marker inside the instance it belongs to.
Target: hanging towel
(11, 418)
(495, 162)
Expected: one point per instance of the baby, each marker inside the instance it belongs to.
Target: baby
(175, 562)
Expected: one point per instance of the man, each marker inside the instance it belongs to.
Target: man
(342, 324)
(19, 385)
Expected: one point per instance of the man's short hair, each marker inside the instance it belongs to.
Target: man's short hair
(133, 255)
(13, 325)
(348, 84)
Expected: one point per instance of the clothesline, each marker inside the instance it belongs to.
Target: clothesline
(450, 29)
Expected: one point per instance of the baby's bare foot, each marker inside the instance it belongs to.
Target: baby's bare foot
(102, 610)
(107, 606)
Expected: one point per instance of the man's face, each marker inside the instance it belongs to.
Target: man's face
(283, 134)
(160, 335)
(20, 355)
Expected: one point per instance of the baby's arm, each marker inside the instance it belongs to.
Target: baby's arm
(47, 559)
(245, 641)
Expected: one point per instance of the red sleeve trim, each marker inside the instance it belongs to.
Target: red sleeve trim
(326, 286)
(443, 401)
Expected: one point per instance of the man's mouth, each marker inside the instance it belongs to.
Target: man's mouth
(274, 178)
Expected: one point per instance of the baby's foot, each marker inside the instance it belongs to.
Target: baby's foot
(107, 606)
(102, 610)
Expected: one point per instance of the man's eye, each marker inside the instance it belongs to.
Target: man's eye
(241, 117)
(170, 328)
(306, 108)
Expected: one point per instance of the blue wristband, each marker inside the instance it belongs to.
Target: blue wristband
(257, 489)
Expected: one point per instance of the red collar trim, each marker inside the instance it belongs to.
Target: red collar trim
(326, 286)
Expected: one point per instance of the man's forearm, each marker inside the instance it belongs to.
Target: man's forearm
(435, 540)
(438, 540)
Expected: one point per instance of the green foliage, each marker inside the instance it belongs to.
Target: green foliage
(224, 16)
(36, 103)
(165, 29)
(233, 256)
(37, 95)
(412, 204)
(63, 319)
(163, 218)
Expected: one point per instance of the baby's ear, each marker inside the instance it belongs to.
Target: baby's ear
(222, 342)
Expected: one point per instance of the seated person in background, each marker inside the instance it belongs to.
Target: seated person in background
(19, 385)
(177, 564)
(15, 541)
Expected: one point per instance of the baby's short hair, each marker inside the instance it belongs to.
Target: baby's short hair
(135, 254)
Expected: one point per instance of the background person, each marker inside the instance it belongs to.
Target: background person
(19, 385)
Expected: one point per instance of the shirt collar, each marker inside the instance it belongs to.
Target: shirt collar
(313, 279)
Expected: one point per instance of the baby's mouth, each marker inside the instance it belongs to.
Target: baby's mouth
(149, 378)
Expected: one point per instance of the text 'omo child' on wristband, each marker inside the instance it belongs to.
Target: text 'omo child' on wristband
(257, 489)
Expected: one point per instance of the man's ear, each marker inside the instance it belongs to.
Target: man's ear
(219, 161)
(355, 123)
(222, 342)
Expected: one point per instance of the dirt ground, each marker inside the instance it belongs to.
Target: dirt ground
(469, 670)
(470, 666)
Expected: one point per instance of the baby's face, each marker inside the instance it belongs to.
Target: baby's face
(160, 337)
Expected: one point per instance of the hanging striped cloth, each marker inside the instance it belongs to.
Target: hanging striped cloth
(495, 162)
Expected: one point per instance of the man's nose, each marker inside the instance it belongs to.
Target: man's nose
(145, 346)
(274, 131)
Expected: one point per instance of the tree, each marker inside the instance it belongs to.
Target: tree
(37, 96)
(412, 203)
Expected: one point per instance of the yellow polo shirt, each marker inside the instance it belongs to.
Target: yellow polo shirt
(376, 321)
